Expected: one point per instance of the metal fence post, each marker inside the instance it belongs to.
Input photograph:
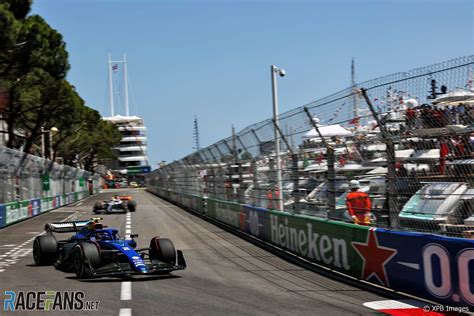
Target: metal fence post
(391, 172)
(296, 182)
(294, 168)
(331, 161)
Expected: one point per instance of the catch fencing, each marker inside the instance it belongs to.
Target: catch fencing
(30, 185)
(407, 138)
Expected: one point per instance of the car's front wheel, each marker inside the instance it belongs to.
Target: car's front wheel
(98, 206)
(162, 249)
(132, 206)
(85, 257)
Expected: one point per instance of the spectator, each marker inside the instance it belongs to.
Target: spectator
(402, 171)
(358, 204)
(410, 117)
(443, 152)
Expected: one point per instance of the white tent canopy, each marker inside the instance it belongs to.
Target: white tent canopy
(328, 131)
(455, 97)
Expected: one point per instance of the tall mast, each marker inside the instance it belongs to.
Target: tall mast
(196, 134)
(353, 84)
(234, 145)
(111, 87)
(126, 84)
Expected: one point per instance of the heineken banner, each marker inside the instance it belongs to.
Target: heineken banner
(438, 268)
(226, 212)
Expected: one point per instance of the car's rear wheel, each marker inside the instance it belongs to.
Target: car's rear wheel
(162, 249)
(85, 257)
(132, 206)
(45, 250)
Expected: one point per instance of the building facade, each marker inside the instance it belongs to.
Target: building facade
(132, 158)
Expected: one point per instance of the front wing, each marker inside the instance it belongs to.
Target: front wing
(124, 269)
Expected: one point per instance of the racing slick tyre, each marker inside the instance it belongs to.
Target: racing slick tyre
(162, 249)
(45, 250)
(85, 257)
(98, 206)
(132, 206)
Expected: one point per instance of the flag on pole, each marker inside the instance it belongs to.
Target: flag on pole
(355, 121)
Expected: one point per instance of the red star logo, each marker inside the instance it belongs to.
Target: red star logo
(375, 257)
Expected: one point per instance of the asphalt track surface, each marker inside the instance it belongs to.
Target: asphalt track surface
(226, 275)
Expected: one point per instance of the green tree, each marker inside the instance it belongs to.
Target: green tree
(32, 73)
(33, 67)
(89, 141)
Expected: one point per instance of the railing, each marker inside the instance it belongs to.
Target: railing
(406, 138)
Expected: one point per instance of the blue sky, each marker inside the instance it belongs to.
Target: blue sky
(212, 58)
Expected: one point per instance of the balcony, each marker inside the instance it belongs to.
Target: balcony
(131, 148)
(134, 139)
(132, 128)
(133, 158)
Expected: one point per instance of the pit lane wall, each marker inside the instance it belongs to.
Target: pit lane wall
(14, 212)
(433, 267)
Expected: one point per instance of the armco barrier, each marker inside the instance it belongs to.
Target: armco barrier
(193, 202)
(13, 212)
(433, 267)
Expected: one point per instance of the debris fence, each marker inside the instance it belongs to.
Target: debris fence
(407, 138)
(25, 177)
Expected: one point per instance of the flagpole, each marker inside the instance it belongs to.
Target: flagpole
(111, 93)
(354, 98)
(126, 84)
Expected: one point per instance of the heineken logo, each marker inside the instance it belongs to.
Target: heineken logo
(305, 242)
(225, 214)
(374, 257)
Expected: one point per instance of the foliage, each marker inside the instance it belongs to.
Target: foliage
(89, 140)
(33, 67)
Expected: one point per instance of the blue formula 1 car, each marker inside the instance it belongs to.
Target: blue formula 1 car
(97, 251)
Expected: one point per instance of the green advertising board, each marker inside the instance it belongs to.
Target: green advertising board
(46, 182)
(324, 242)
(138, 169)
(226, 212)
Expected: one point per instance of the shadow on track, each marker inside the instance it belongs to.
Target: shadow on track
(132, 279)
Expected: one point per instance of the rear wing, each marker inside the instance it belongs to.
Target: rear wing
(66, 227)
(125, 197)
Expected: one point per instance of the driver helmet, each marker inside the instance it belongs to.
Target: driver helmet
(94, 224)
